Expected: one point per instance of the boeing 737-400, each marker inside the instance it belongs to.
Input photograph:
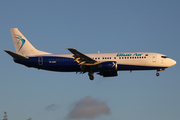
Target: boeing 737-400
(104, 64)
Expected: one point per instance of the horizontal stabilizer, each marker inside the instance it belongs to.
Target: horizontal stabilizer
(15, 55)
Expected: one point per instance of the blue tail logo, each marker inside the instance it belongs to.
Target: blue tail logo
(22, 41)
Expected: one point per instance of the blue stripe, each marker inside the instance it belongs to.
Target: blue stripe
(64, 64)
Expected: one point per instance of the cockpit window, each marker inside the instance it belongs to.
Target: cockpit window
(164, 56)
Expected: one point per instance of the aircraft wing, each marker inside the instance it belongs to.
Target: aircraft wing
(81, 58)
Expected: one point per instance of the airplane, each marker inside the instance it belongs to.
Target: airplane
(104, 64)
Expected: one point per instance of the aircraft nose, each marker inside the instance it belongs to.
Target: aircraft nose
(173, 62)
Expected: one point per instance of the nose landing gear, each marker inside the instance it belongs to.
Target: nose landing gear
(157, 74)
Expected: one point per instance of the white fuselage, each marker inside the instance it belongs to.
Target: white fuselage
(143, 59)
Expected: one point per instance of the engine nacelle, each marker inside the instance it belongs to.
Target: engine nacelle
(108, 66)
(108, 73)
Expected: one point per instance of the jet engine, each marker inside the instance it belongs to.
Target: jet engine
(108, 66)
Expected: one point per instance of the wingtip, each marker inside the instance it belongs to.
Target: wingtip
(70, 48)
(6, 50)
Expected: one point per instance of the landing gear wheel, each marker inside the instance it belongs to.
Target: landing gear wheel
(157, 74)
(91, 77)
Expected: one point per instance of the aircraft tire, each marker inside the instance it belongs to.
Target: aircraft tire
(91, 77)
(157, 74)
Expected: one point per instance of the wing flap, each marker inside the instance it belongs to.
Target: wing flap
(15, 55)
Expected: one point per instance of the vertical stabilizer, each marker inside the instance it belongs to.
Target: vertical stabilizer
(22, 45)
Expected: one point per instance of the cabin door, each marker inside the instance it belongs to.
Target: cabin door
(154, 58)
(40, 60)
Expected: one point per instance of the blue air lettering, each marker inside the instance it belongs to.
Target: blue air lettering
(122, 54)
(137, 54)
(22, 41)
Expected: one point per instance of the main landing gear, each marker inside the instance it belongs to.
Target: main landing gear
(91, 75)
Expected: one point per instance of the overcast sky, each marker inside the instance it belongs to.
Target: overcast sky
(91, 26)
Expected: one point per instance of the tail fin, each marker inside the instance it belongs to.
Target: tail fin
(22, 45)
